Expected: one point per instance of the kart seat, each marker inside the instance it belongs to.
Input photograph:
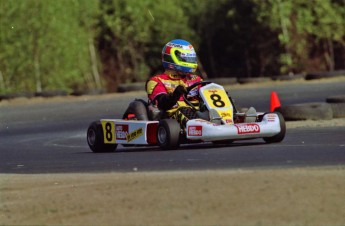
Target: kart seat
(142, 110)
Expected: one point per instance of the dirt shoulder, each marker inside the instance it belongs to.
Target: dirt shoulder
(302, 196)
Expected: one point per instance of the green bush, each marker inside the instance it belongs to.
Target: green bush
(45, 44)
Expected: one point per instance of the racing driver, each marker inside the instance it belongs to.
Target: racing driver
(166, 90)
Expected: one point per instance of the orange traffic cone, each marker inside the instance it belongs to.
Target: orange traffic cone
(275, 103)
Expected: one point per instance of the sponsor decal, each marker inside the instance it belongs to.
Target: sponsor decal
(225, 114)
(121, 131)
(134, 135)
(248, 128)
(108, 132)
(271, 117)
(175, 45)
(194, 130)
(212, 91)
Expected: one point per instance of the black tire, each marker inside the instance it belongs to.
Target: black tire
(51, 93)
(253, 80)
(138, 86)
(288, 77)
(280, 136)
(338, 110)
(327, 74)
(137, 107)
(336, 99)
(307, 111)
(168, 134)
(16, 95)
(95, 139)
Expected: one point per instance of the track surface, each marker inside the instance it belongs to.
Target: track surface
(50, 137)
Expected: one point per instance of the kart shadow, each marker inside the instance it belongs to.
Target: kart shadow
(184, 147)
(210, 145)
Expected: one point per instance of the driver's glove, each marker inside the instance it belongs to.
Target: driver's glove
(179, 91)
(167, 101)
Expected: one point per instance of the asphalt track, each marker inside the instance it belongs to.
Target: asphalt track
(50, 137)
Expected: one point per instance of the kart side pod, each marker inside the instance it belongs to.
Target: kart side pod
(118, 131)
(270, 126)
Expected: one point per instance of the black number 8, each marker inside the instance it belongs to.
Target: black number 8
(108, 132)
(217, 100)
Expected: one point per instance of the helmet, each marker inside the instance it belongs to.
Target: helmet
(179, 55)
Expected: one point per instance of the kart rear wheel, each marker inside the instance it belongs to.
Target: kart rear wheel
(168, 134)
(95, 139)
(280, 136)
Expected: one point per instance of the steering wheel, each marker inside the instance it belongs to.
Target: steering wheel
(201, 83)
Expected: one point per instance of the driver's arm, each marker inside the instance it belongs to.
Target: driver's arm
(167, 101)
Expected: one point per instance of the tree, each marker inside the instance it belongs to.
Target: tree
(307, 30)
(232, 41)
(45, 45)
(131, 35)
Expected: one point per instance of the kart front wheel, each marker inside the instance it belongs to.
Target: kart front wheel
(95, 139)
(168, 134)
(280, 136)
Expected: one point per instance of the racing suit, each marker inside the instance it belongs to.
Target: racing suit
(166, 90)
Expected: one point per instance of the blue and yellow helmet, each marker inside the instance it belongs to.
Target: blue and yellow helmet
(179, 55)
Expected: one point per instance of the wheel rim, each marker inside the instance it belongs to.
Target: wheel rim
(162, 135)
(91, 137)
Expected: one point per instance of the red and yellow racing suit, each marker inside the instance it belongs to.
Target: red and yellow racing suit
(165, 84)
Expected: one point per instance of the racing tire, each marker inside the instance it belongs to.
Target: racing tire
(337, 103)
(95, 139)
(328, 74)
(280, 136)
(338, 110)
(253, 80)
(168, 134)
(137, 107)
(306, 111)
(336, 99)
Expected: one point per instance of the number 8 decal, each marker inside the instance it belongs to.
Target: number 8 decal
(108, 132)
(217, 100)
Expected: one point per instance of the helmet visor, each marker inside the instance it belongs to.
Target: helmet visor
(186, 56)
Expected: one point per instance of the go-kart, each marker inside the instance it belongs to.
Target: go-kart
(218, 122)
